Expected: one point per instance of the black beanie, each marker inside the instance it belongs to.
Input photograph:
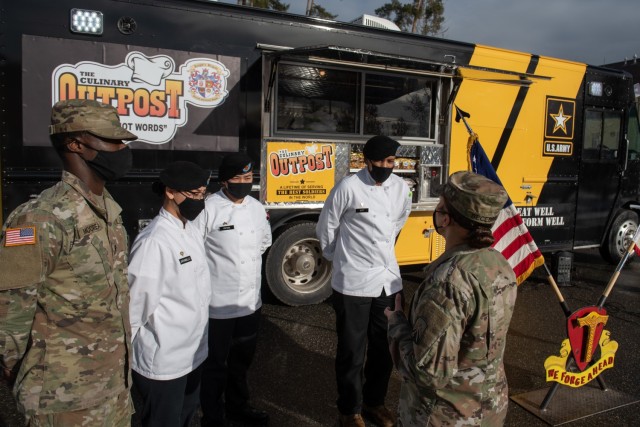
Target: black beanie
(234, 164)
(380, 147)
(183, 176)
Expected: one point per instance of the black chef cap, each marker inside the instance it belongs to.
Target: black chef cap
(182, 176)
(380, 147)
(234, 164)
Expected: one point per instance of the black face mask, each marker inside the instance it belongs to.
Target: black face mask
(112, 165)
(191, 208)
(380, 174)
(239, 190)
(435, 225)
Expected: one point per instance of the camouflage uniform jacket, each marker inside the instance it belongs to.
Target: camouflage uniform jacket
(64, 301)
(449, 351)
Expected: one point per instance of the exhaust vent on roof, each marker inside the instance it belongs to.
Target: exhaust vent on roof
(376, 21)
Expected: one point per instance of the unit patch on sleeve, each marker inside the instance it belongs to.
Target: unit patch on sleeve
(20, 236)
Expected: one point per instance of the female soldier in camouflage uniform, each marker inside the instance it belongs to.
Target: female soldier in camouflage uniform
(450, 349)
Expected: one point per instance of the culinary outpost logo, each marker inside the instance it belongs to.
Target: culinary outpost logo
(310, 159)
(299, 172)
(151, 98)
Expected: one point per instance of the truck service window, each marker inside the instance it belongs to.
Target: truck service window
(398, 106)
(313, 99)
(317, 99)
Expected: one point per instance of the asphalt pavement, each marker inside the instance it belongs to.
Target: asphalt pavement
(293, 378)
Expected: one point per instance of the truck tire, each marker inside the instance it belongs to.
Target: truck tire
(295, 270)
(619, 236)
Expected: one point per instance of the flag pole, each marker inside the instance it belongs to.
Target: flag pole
(461, 115)
(616, 272)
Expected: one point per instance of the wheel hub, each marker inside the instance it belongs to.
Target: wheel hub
(302, 264)
(625, 236)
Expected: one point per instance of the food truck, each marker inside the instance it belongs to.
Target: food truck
(196, 80)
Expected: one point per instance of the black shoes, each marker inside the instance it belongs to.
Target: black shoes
(379, 415)
(248, 415)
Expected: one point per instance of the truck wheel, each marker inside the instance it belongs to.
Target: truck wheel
(295, 270)
(619, 236)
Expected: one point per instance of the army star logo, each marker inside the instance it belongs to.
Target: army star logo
(561, 120)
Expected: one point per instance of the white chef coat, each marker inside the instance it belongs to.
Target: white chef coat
(235, 237)
(357, 230)
(170, 292)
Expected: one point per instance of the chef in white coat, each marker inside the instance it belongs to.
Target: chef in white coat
(169, 307)
(236, 234)
(357, 229)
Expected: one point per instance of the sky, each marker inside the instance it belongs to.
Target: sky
(593, 31)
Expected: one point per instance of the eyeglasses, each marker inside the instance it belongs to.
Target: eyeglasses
(441, 212)
(198, 195)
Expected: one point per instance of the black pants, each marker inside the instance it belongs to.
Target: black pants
(232, 345)
(361, 326)
(168, 403)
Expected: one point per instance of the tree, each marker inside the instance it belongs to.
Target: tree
(314, 9)
(266, 4)
(320, 12)
(420, 16)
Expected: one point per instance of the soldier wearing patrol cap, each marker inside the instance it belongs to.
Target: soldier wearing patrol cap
(170, 292)
(236, 234)
(357, 229)
(450, 349)
(64, 326)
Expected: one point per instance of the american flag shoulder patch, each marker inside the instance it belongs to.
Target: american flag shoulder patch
(20, 236)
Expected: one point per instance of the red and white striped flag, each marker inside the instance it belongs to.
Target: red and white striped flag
(512, 238)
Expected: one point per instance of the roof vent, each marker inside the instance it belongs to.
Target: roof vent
(376, 21)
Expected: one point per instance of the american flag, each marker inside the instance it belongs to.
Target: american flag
(20, 236)
(511, 236)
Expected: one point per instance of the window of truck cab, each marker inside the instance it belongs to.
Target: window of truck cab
(602, 130)
(633, 134)
(315, 99)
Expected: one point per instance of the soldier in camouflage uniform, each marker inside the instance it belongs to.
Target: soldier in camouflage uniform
(64, 298)
(449, 348)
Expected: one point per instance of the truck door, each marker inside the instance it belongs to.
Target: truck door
(599, 176)
(631, 178)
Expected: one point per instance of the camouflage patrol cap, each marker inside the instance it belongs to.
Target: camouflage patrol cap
(475, 197)
(76, 115)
